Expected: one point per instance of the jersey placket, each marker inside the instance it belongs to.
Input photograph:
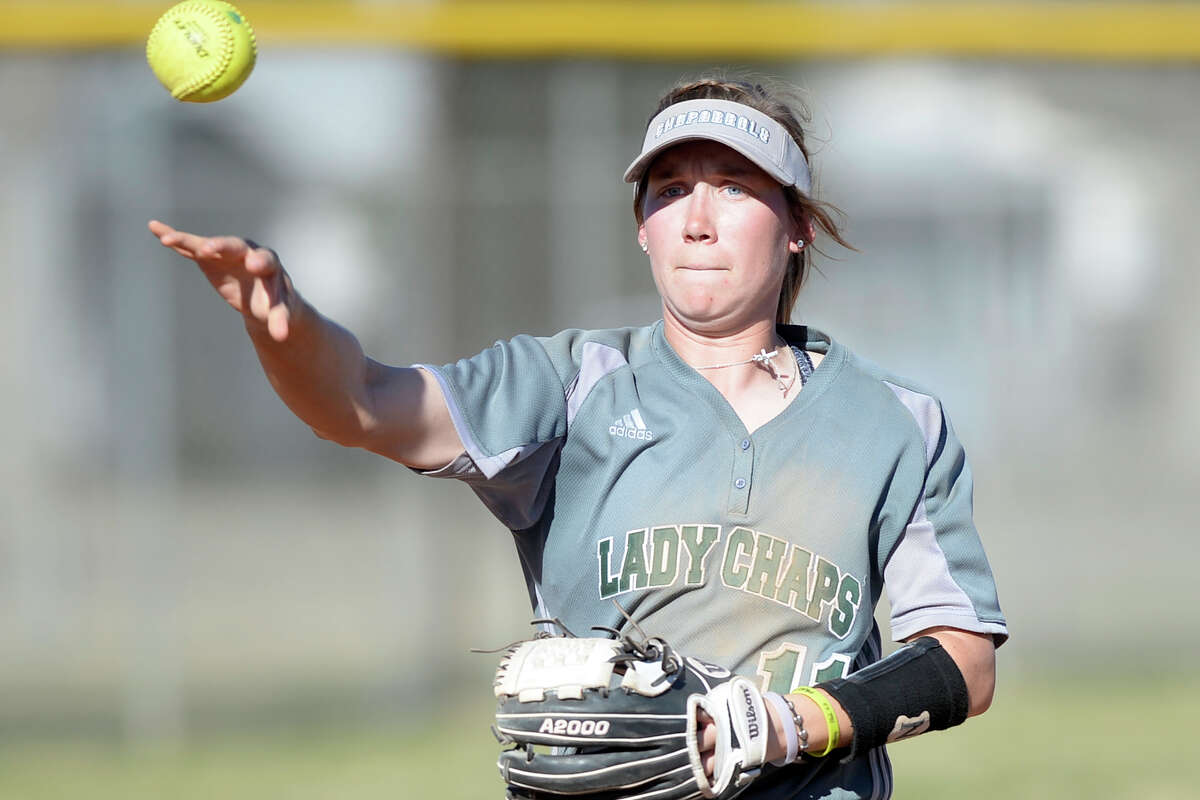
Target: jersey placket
(743, 477)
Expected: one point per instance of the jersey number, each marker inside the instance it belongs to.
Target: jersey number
(782, 669)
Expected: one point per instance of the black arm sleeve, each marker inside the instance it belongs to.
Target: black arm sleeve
(918, 688)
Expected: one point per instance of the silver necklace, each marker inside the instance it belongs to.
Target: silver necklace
(764, 359)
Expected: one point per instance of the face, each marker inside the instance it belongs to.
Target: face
(718, 232)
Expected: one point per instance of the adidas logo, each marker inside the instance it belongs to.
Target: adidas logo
(631, 426)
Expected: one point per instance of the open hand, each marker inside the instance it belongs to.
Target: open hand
(248, 276)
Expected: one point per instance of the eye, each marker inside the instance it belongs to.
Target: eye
(672, 191)
(734, 190)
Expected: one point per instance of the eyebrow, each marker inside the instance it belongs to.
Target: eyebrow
(727, 168)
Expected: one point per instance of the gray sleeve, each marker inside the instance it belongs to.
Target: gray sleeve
(509, 407)
(938, 573)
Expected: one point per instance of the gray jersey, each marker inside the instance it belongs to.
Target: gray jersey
(625, 475)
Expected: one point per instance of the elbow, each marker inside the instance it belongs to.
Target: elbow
(354, 425)
(975, 656)
(322, 435)
(980, 695)
(344, 435)
(981, 682)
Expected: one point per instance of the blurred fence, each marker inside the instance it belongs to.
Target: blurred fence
(175, 546)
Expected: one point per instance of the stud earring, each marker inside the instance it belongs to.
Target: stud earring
(645, 248)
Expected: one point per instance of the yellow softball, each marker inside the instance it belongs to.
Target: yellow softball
(201, 50)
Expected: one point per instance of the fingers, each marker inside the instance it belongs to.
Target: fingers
(186, 244)
(197, 248)
(278, 320)
(708, 742)
(268, 304)
(708, 730)
(231, 250)
(224, 248)
(262, 261)
(248, 276)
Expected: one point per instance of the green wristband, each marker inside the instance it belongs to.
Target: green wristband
(831, 722)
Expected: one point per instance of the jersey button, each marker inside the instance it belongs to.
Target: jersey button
(740, 483)
(745, 444)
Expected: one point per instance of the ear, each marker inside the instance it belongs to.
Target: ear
(802, 233)
(641, 237)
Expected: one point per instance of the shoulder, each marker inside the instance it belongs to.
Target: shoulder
(566, 365)
(874, 394)
(576, 351)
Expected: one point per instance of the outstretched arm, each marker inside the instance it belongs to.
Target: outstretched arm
(317, 367)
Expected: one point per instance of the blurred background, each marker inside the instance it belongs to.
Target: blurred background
(199, 597)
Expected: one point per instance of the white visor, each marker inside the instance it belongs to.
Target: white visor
(748, 131)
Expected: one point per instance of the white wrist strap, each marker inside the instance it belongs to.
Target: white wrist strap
(789, 727)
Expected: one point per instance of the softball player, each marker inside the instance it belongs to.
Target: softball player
(743, 487)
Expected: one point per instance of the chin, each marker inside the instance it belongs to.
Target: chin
(711, 315)
(703, 317)
(700, 309)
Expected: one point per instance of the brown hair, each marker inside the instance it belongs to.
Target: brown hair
(782, 105)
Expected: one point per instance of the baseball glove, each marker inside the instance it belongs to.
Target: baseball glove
(615, 719)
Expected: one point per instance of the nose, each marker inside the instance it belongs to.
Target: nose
(698, 224)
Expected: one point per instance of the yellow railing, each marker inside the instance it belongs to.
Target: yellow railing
(1151, 31)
